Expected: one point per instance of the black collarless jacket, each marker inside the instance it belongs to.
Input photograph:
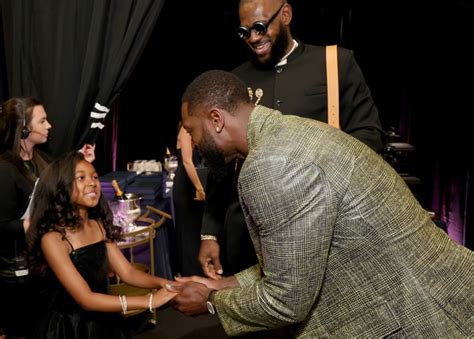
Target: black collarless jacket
(300, 88)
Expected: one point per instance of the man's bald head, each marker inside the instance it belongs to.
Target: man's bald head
(216, 88)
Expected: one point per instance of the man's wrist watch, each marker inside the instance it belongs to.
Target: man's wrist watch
(209, 304)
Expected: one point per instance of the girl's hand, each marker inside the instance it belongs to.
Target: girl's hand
(161, 297)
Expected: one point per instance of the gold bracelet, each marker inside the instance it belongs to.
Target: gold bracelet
(208, 237)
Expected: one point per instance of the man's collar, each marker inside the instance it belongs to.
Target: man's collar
(283, 60)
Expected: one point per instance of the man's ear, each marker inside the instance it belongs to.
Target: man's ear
(286, 14)
(217, 119)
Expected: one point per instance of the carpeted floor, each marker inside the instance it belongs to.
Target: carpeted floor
(171, 324)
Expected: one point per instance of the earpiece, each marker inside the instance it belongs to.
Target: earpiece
(25, 131)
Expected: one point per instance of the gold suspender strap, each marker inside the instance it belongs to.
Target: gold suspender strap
(333, 86)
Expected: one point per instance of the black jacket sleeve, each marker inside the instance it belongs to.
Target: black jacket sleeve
(359, 114)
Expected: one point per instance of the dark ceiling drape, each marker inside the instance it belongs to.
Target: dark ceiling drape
(75, 56)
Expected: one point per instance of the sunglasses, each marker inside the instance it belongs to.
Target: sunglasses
(260, 27)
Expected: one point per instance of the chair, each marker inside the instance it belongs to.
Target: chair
(152, 210)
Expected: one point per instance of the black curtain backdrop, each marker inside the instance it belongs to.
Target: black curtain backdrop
(417, 59)
(206, 40)
(75, 56)
(3, 78)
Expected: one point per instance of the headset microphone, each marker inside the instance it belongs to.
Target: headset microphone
(43, 135)
(25, 131)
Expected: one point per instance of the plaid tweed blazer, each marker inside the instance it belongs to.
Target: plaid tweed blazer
(344, 248)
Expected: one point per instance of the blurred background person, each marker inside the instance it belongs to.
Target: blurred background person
(188, 200)
(23, 126)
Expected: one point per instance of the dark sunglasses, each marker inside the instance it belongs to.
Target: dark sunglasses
(260, 27)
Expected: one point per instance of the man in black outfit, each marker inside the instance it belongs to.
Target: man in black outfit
(290, 76)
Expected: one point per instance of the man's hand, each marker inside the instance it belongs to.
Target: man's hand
(209, 259)
(209, 283)
(191, 298)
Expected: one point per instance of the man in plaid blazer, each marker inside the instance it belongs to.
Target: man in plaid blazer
(344, 248)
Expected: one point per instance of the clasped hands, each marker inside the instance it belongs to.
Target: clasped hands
(192, 293)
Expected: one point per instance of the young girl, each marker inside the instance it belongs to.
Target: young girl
(72, 235)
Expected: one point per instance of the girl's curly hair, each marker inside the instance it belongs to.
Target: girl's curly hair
(53, 209)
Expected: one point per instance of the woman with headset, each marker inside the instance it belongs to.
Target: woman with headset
(23, 125)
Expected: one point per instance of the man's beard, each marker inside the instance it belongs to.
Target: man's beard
(277, 52)
(213, 156)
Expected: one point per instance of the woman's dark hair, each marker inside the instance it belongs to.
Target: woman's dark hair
(15, 115)
(53, 209)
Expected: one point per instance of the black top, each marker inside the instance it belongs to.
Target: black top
(62, 317)
(15, 191)
(30, 165)
(300, 88)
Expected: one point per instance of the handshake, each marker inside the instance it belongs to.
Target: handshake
(194, 293)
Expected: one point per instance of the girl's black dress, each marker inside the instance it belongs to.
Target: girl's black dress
(62, 317)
